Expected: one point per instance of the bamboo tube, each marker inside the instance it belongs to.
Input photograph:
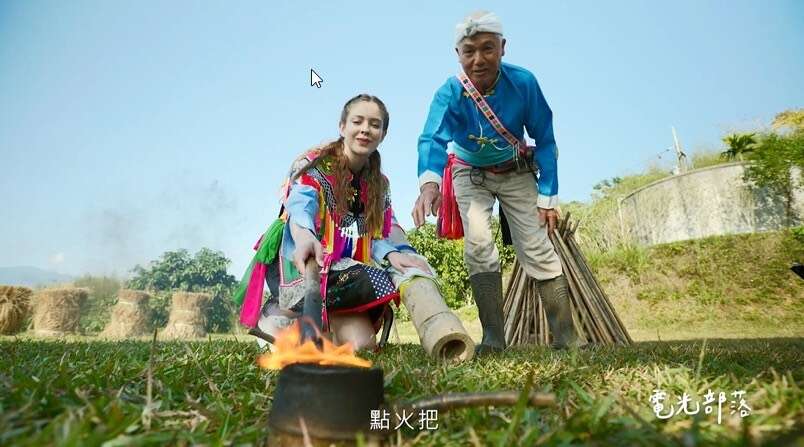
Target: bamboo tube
(440, 331)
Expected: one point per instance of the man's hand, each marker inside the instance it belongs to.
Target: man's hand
(550, 216)
(428, 203)
(401, 262)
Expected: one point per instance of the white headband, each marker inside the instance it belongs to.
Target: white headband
(487, 23)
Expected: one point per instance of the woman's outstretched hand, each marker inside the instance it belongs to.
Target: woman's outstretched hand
(307, 246)
(401, 262)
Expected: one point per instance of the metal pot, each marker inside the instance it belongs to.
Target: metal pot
(335, 402)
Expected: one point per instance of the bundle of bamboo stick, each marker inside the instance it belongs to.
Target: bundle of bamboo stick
(595, 318)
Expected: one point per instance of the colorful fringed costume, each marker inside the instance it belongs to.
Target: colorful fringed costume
(350, 281)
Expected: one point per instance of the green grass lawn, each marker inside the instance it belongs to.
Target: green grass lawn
(722, 314)
(86, 392)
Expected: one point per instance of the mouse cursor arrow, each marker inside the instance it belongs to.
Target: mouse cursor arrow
(315, 80)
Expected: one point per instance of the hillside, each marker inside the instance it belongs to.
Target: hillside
(738, 285)
(31, 276)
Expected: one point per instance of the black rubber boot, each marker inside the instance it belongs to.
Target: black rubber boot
(555, 296)
(487, 290)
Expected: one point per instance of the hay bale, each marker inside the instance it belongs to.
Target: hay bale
(15, 302)
(187, 315)
(56, 312)
(131, 316)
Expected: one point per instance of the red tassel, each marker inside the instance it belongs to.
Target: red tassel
(386, 224)
(449, 223)
(252, 304)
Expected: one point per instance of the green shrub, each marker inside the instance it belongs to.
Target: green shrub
(631, 260)
(96, 310)
(706, 159)
(178, 271)
(446, 257)
(798, 233)
(773, 165)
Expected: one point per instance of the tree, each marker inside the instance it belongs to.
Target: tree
(793, 119)
(739, 144)
(777, 162)
(178, 271)
(775, 159)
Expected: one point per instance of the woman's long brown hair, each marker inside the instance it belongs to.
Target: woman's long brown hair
(371, 173)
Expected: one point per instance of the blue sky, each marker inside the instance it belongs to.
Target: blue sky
(131, 128)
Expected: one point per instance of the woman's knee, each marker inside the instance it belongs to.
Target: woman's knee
(355, 329)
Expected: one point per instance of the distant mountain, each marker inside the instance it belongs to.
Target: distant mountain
(31, 277)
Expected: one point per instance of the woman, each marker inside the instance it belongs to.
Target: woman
(337, 209)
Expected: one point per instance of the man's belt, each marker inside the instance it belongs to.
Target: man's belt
(520, 164)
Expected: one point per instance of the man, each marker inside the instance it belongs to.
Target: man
(485, 168)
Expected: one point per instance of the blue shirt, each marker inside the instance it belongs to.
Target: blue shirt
(454, 118)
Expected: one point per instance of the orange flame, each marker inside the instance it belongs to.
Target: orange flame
(288, 349)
